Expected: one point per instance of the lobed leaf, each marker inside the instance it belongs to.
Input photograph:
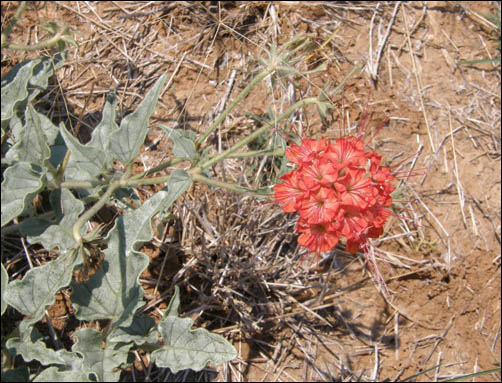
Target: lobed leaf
(31, 347)
(114, 292)
(139, 332)
(67, 208)
(98, 360)
(85, 162)
(139, 220)
(126, 142)
(32, 144)
(56, 374)
(24, 82)
(72, 370)
(174, 304)
(184, 142)
(14, 87)
(101, 134)
(36, 291)
(42, 72)
(186, 348)
(94, 158)
(21, 184)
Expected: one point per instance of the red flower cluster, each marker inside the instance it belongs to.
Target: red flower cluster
(339, 190)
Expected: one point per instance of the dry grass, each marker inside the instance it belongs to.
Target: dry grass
(236, 258)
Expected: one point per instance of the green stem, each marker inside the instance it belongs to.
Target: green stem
(257, 153)
(41, 45)
(80, 184)
(93, 210)
(346, 78)
(158, 168)
(259, 132)
(238, 99)
(144, 181)
(6, 33)
(223, 185)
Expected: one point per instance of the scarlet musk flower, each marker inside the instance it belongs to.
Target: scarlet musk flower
(321, 237)
(305, 153)
(339, 190)
(290, 191)
(320, 207)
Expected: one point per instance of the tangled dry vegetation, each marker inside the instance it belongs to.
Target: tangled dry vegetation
(235, 258)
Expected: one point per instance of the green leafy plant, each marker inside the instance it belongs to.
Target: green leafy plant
(58, 36)
(41, 157)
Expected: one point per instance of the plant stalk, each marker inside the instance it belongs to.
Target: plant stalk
(238, 99)
(158, 168)
(13, 21)
(224, 185)
(41, 45)
(259, 132)
(258, 153)
(93, 210)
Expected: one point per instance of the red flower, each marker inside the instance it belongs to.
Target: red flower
(354, 223)
(289, 192)
(339, 190)
(320, 207)
(306, 153)
(347, 151)
(356, 189)
(317, 237)
(318, 174)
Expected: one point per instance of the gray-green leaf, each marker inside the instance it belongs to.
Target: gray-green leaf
(5, 281)
(101, 134)
(186, 348)
(14, 87)
(85, 161)
(31, 347)
(179, 181)
(138, 221)
(57, 374)
(138, 332)
(101, 362)
(72, 370)
(24, 82)
(20, 185)
(32, 145)
(113, 292)
(68, 209)
(174, 304)
(36, 291)
(184, 145)
(126, 142)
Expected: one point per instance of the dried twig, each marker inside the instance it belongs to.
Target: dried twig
(374, 65)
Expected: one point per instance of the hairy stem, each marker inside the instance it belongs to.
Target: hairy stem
(41, 45)
(158, 168)
(93, 210)
(224, 185)
(259, 132)
(80, 184)
(258, 153)
(13, 21)
(238, 99)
